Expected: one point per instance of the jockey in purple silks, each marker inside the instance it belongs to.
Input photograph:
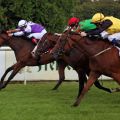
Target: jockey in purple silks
(30, 29)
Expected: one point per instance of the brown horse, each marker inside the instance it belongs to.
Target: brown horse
(103, 58)
(80, 64)
(22, 48)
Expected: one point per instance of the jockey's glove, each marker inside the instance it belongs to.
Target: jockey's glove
(83, 34)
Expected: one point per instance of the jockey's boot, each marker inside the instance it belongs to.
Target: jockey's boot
(34, 54)
(116, 42)
(118, 45)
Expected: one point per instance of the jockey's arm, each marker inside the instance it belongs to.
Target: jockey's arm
(19, 33)
(105, 25)
(12, 31)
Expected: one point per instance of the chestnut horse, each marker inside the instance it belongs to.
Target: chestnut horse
(103, 58)
(22, 48)
(80, 64)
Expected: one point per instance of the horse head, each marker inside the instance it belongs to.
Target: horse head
(3, 38)
(65, 44)
(46, 43)
(88, 45)
(17, 43)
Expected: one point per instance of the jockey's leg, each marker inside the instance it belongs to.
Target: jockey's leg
(33, 51)
(104, 34)
(115, 39)
(37, 36)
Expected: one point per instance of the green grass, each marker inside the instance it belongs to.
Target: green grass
(39, 102)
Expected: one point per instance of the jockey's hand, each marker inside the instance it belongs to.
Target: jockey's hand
(10, 34)
(83, 34)
(8, 31)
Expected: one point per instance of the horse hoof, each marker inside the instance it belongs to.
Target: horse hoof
(115, 90)
(75, 104)
(1, 87)
(53, 89)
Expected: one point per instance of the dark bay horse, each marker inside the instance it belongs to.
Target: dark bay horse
(103, 58)
(80, 64)
(22, 48)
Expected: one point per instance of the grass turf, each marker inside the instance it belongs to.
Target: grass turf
(39, 102)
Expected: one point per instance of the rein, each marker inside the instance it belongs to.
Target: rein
(102, 51)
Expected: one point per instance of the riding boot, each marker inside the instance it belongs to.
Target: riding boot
(116, 42)
(36, 56)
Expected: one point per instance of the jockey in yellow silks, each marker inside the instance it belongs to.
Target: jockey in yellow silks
(107, 27)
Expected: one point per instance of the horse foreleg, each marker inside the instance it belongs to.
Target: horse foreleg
(6, 72)
(16, 69)
(98, 85)
(117, 79)
(82, 79)
(92, 77)
(61, 68)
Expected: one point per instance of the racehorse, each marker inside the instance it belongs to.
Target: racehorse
(103, 58)
(80, 64)
(22, 48)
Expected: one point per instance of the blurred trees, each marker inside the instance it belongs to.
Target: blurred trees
(53, 14)
(107, 7)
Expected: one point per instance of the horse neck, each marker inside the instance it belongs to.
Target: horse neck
(52, 40)
(92, 47)
(17, 44)
(46, 58)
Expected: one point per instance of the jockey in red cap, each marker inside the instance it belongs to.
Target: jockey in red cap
(73, 22)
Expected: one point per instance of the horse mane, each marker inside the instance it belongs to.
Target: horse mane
(98, 38)
(74, 33)
(92, 38)
(23, 37)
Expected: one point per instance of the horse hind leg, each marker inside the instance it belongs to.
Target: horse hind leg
(16, 69)
(4, 75)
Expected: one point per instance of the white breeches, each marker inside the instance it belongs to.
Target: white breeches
(37, 35)
(105, 34)
(19, 33)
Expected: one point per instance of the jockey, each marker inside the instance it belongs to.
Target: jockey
(107, 26)
(73, 23)
(78, 25)
(29, 29)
